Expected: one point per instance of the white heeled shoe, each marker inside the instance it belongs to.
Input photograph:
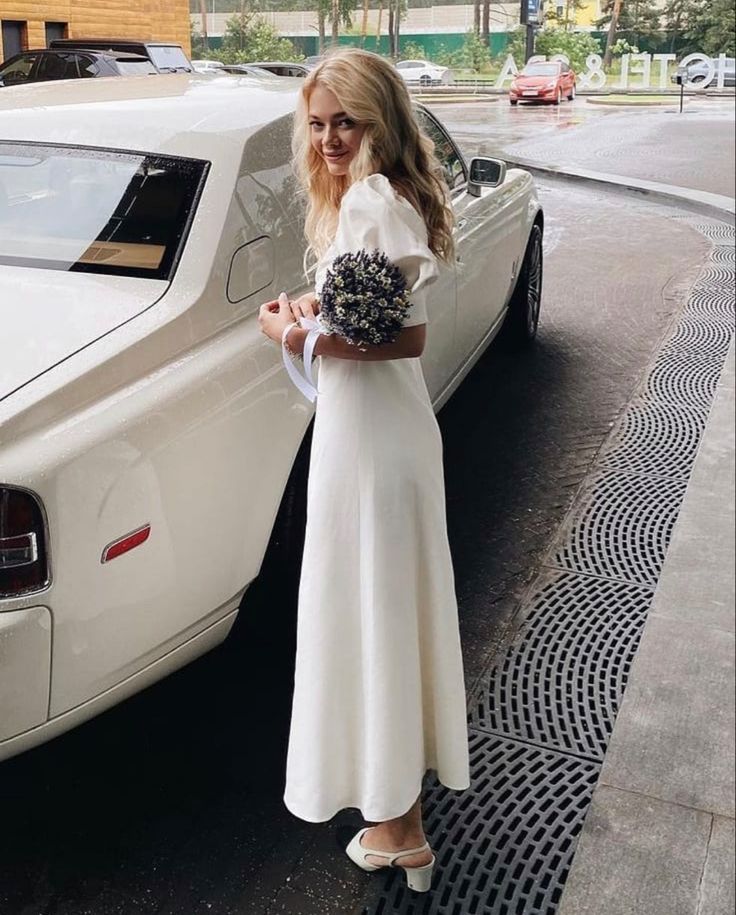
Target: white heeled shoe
(418, 879)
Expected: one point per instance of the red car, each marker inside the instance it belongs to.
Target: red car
(543, 81)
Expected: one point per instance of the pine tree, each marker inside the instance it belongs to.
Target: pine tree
(639, 19)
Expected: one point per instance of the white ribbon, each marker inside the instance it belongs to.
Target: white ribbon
(305, 383)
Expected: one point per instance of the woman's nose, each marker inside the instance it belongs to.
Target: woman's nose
(330, 135)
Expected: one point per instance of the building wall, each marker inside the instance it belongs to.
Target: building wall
(166, 20)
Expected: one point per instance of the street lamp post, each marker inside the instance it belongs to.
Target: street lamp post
(531, 11)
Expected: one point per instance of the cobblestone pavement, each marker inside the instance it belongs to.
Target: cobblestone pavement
(171, 803)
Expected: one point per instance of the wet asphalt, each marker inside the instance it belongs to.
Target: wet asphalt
(171, 802)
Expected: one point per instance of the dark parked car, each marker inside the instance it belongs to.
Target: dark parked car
(43, 65)
(281, 67)
(166, 56)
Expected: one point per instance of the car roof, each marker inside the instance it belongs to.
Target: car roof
(184, 114)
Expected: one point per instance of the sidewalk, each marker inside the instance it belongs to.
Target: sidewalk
(659, 836)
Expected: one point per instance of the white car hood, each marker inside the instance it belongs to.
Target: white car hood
(47, 315)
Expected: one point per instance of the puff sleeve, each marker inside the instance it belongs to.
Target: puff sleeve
(374, 217)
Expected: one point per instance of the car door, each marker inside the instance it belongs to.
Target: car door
(486, 239)
(439, 358)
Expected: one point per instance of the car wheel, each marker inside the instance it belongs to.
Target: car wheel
(513, 101)
(558, 97)
(524, 307)
(573, 93)
(425, 80)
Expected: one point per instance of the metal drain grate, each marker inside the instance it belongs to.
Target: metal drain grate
(716, 231)
(700, 337)
(723, 254)
(656, 439)
(717, 279)
(710, 305)
(681, 378)
(505, 847)
(621, 527)
(562, 679)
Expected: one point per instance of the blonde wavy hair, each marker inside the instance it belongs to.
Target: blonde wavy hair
(373, 94)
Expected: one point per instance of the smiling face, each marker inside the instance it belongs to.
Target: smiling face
(334, 136)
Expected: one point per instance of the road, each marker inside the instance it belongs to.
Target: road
(171, 803)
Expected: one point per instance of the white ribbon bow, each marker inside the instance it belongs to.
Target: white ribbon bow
(305, 383)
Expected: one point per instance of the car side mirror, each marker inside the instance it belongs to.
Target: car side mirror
(485, 172)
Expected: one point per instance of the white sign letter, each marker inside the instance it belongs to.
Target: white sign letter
(663, 60)
(509, 71)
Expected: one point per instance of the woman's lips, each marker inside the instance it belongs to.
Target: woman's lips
(333, 155)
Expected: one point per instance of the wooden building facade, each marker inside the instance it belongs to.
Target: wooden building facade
(33, 23)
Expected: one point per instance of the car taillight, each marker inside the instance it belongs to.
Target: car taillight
(23, 547)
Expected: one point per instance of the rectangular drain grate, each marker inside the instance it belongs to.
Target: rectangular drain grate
(562, 679)
(505, 846)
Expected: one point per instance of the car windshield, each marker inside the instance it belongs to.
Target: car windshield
(95, 211)
(168, 57)
(541, 70)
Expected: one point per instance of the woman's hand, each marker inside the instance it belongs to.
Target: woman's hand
(275, 316)
(306, 306)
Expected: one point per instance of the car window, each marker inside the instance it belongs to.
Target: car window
(95, 211)
(135, 67)
(445, 150)
(18, 71)
(64, 66)
(168, 57)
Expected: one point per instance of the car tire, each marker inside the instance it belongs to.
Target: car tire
(425, 80)
(523, 314)
(558, 97)
(573, 93)
(513, 101)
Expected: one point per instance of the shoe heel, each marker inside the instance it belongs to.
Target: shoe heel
(419, 879)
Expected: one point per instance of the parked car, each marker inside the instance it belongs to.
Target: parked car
(246, 70)
(700, 74)
(544, 81)
(43, 65)
(281, 67)
(147, 427)
(207, 66)
(424, 73)
(166, 56)
(314, 61)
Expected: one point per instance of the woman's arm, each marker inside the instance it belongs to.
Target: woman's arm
(275, 316)
(408, 345)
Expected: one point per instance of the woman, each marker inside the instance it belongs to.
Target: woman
(379, 693)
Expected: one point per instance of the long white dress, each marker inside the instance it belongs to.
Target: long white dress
(379, 693)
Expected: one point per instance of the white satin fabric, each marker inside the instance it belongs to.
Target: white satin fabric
(379, 694)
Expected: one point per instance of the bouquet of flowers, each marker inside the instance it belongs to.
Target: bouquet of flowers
(364, 298)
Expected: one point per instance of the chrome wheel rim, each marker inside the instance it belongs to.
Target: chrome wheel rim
(534, 287)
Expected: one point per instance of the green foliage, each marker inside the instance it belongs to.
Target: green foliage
(623, 47)
(576, 46)
(516, 47)
(412, 50)
(712, 27)
(474, 54)
(248, 37)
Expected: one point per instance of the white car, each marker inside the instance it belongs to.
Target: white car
(424, 73)
(147, 428)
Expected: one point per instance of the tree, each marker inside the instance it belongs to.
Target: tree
(248, 37)
(564, 14)
(712, 27)
(576, 46)
(637, 19)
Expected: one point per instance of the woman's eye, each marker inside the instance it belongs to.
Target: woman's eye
(346, 122)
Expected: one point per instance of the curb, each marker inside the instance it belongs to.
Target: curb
(717, 206)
